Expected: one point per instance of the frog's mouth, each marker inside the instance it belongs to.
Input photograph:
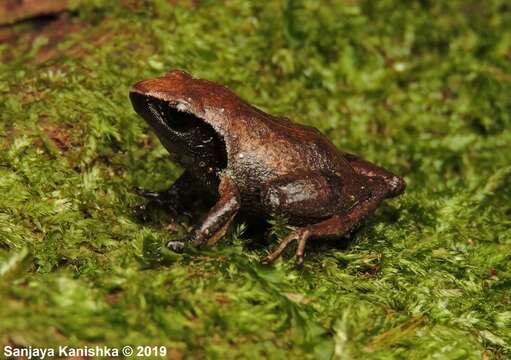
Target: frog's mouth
(181, 131)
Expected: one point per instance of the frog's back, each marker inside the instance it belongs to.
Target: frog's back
(275, 146)
(257, 143)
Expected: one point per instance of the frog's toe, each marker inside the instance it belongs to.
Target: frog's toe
(176, 246)
(140, 213)
(299, 235)
(300, 250)
(266, 261)
(299, 262)
(145, 193)
(143, 212)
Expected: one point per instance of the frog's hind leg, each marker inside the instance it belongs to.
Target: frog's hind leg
(303, 196)
(334, 227)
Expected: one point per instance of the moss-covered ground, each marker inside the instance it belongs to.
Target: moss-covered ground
(420, 87)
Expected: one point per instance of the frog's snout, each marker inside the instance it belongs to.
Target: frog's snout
(172, 82)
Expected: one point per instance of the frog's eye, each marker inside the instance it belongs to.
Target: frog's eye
(162, 113)
(178, 119)
(174, 116)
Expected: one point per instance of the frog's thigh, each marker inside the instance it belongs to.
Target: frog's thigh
(302, 196)
(333, 227)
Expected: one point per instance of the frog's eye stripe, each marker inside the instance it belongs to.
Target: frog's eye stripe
(155, 112)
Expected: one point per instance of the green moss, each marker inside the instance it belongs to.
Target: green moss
(419, 87)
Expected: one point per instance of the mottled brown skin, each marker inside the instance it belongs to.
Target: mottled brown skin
(256, 163)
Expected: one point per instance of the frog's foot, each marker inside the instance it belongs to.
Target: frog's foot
(336, 226)
(301, 236)
(145, 193)
(176, 246)
(156, 200)
(141, 213)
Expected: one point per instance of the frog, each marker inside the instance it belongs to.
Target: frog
(253, 163)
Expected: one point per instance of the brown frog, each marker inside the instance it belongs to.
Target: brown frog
(255, 163)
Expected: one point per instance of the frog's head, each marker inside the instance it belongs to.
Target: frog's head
(173, 106)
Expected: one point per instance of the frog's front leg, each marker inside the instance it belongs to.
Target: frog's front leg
(218, 219)
(179, 197)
